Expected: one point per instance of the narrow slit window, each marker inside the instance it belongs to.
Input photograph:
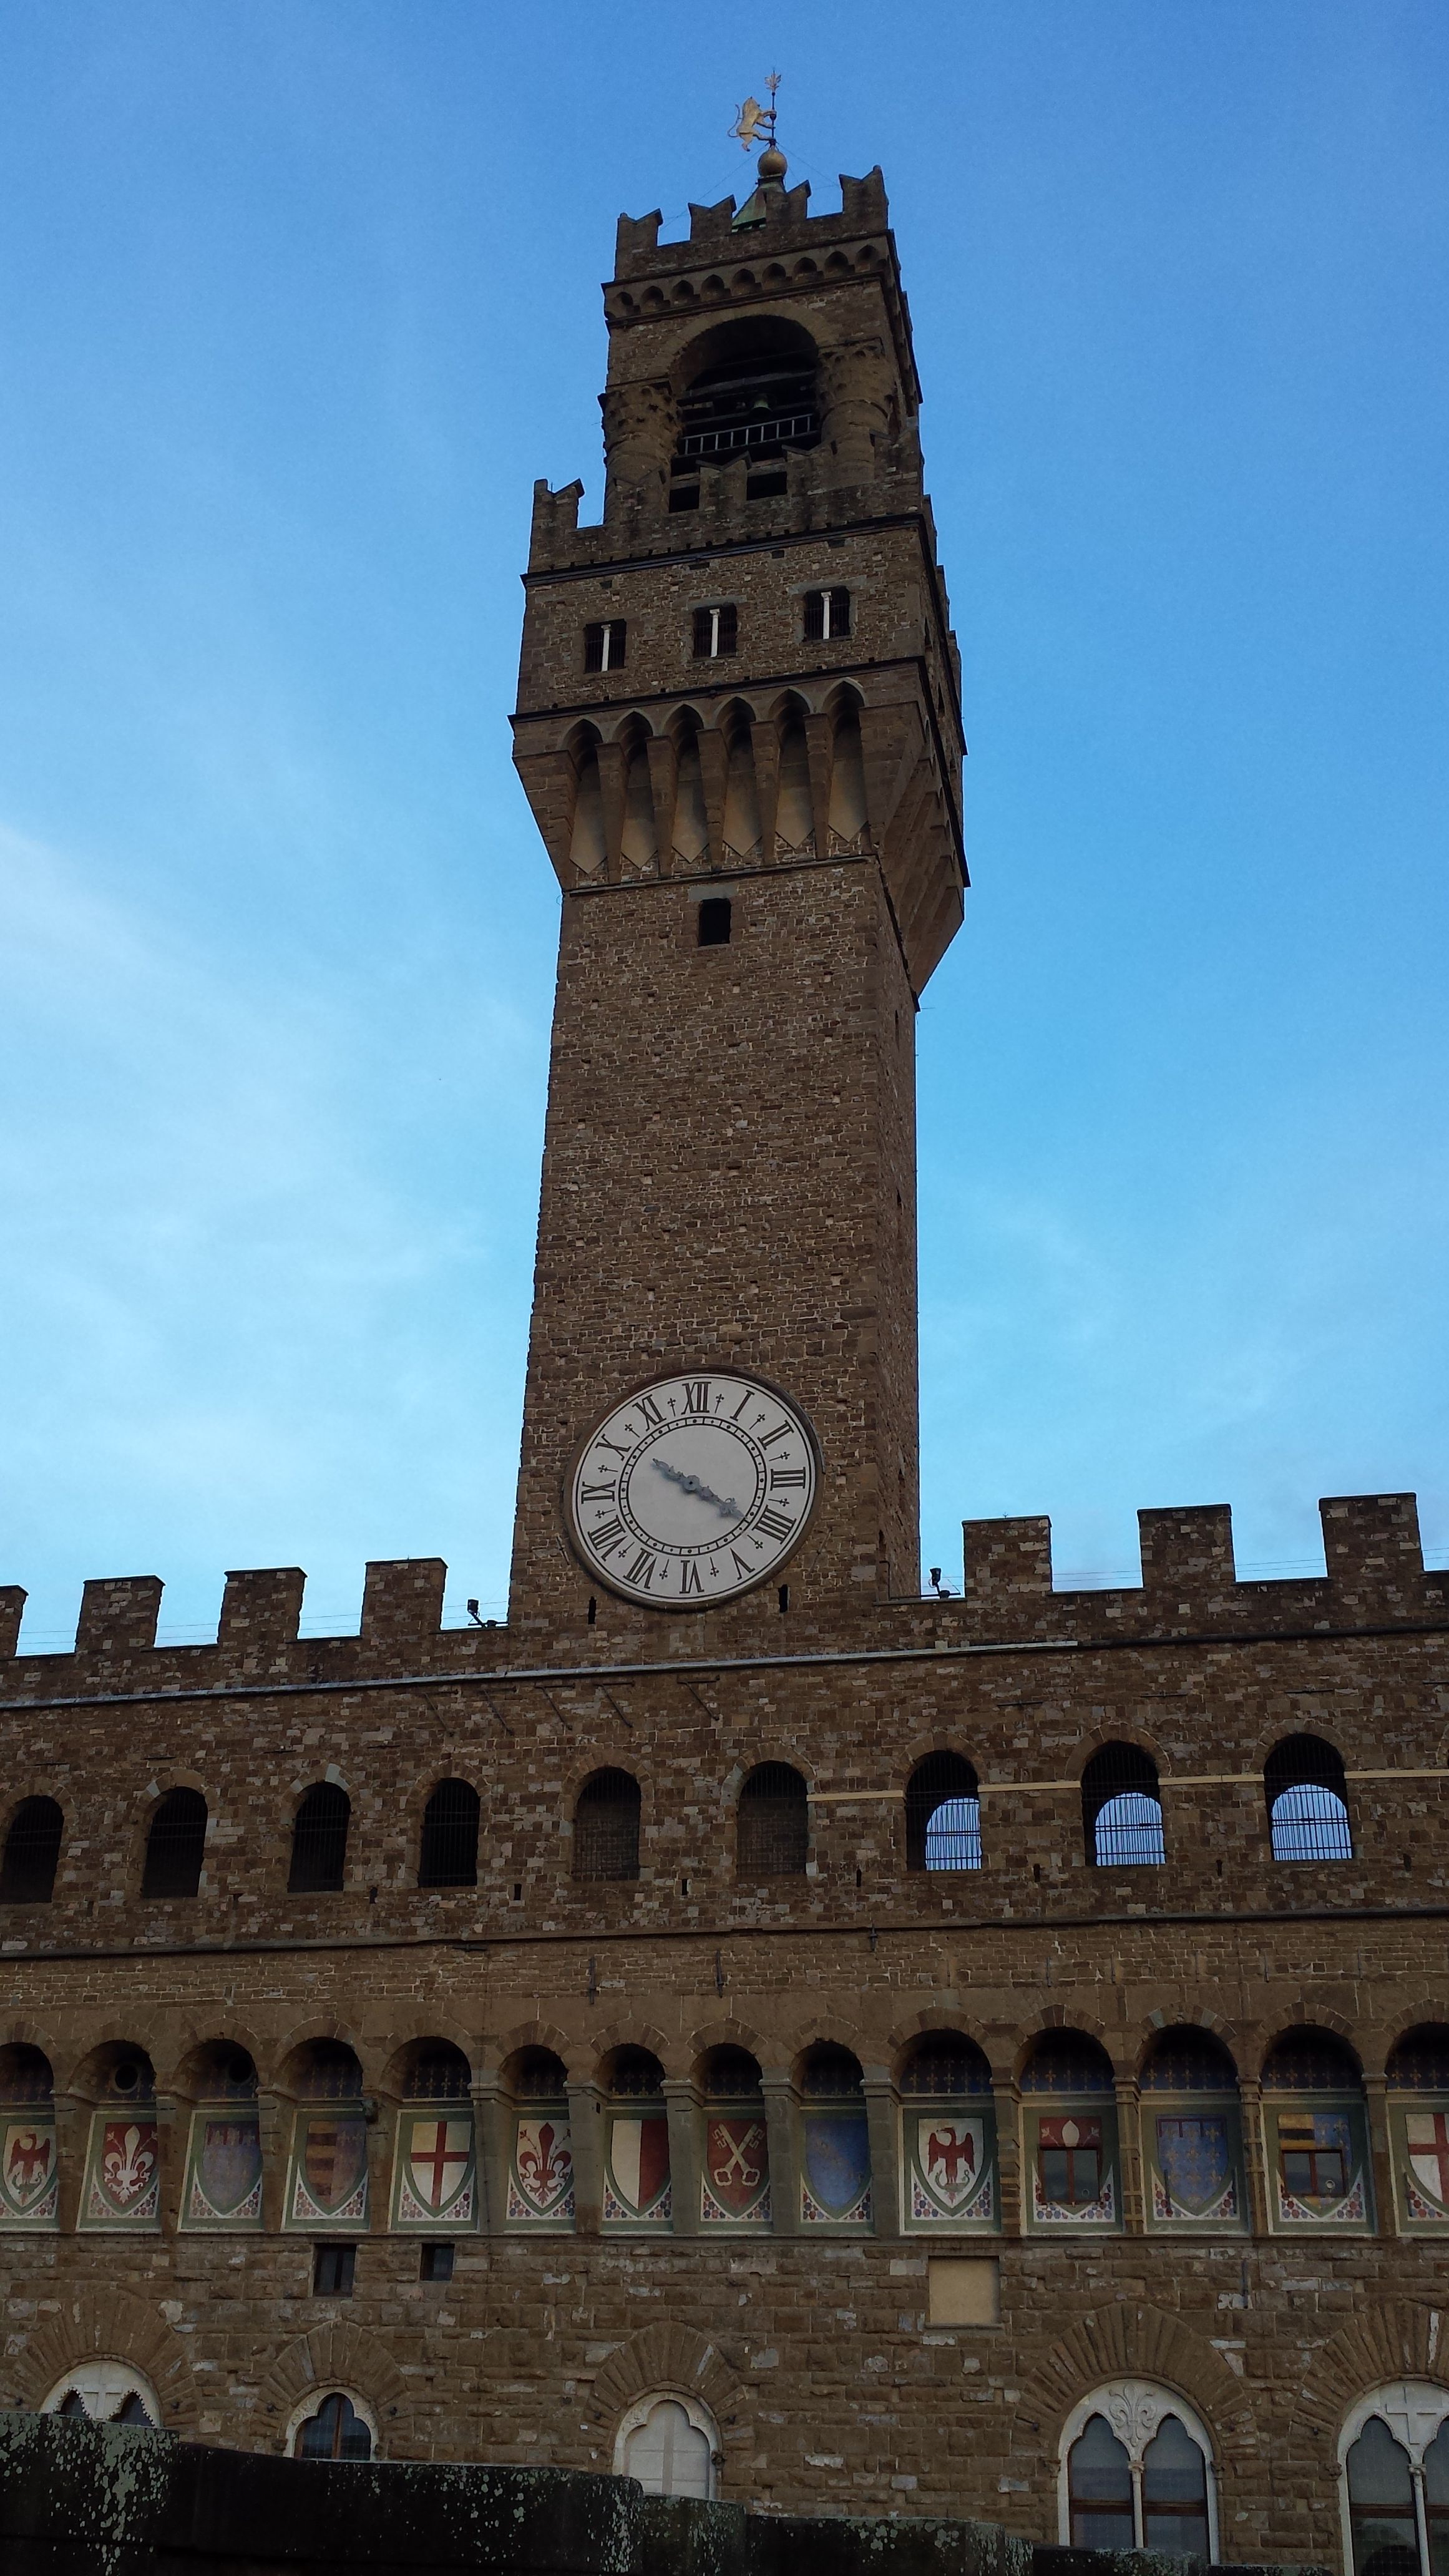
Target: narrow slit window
(716, 633)
(827, 614)
(605, 643)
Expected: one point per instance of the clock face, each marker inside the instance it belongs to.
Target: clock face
(692, 1491)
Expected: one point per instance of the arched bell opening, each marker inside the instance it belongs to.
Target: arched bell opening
(748, 388)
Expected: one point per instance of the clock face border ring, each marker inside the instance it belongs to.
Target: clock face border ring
(657, 1377)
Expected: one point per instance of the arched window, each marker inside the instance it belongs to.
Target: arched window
(1121, 1808)
(108, 2392)
(319, 1841)
(606, 1827)
(948, 2123)
(1394, 2457)
(325, 2070)
(669, 2444)
(1313, 2101)
(32, 1852)
(772, 1834)
(1307, 1806)
(1137, 2473)
(1418, 2073)
(1192, 2132)
(433, 2070)
(336, 2429)
(176, 1845)
(448, 1854)
(1072, 2141)
(943, 1814)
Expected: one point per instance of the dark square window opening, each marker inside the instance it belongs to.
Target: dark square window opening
(436, 2263)
(1314, 2173)
(714, 921)
(334, 2268)
(766, 487)
(716, 632)
(604, 644)
(1071, 2177)
(827, 614)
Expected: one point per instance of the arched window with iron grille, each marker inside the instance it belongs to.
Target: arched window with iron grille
(1121, 1808)
(1307, 1800)
(319, 1841)
(448, 1853)
(176, 1845)
(606, 1827)
(943, 1814)
(32, 1853)
(772, 1834)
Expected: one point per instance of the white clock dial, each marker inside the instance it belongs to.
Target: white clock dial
(692, 1491)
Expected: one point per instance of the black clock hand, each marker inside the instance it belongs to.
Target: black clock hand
(696, 1485)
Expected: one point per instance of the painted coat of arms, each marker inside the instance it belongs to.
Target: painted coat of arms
(29, 2185)
(734, 2188)
(951, 2179)
(224, 2183)
(1072, 2182)
(329, 2170)
(1196, 2174)
(541, 2185)
(636, 2185)
(435, 2171)
(124, 2184)
(1426, 2140)
(1319, 2172)
(835, 2184)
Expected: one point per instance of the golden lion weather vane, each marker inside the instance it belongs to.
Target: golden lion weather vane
(753, 123)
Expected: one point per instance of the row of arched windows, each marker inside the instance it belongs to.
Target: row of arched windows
(1304, 1785)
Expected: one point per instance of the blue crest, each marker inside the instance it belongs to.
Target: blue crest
(1195, 2155)
(837, 2160)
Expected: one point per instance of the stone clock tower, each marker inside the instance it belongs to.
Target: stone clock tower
(739, 731)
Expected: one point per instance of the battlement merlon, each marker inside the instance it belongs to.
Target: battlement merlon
(1372, 1552)
(1190, 1589)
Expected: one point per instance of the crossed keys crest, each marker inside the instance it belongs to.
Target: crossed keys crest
(737, 2173)
(753, 123)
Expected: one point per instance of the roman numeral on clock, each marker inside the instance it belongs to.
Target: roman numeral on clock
(774, 1524)
(606, 1536)
(597, 1493)
(787, 1476)
(696, 1395)
(642, 1569)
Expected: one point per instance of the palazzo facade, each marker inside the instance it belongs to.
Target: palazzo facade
(743, 2021)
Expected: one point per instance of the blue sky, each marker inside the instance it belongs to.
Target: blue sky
(296, 298)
